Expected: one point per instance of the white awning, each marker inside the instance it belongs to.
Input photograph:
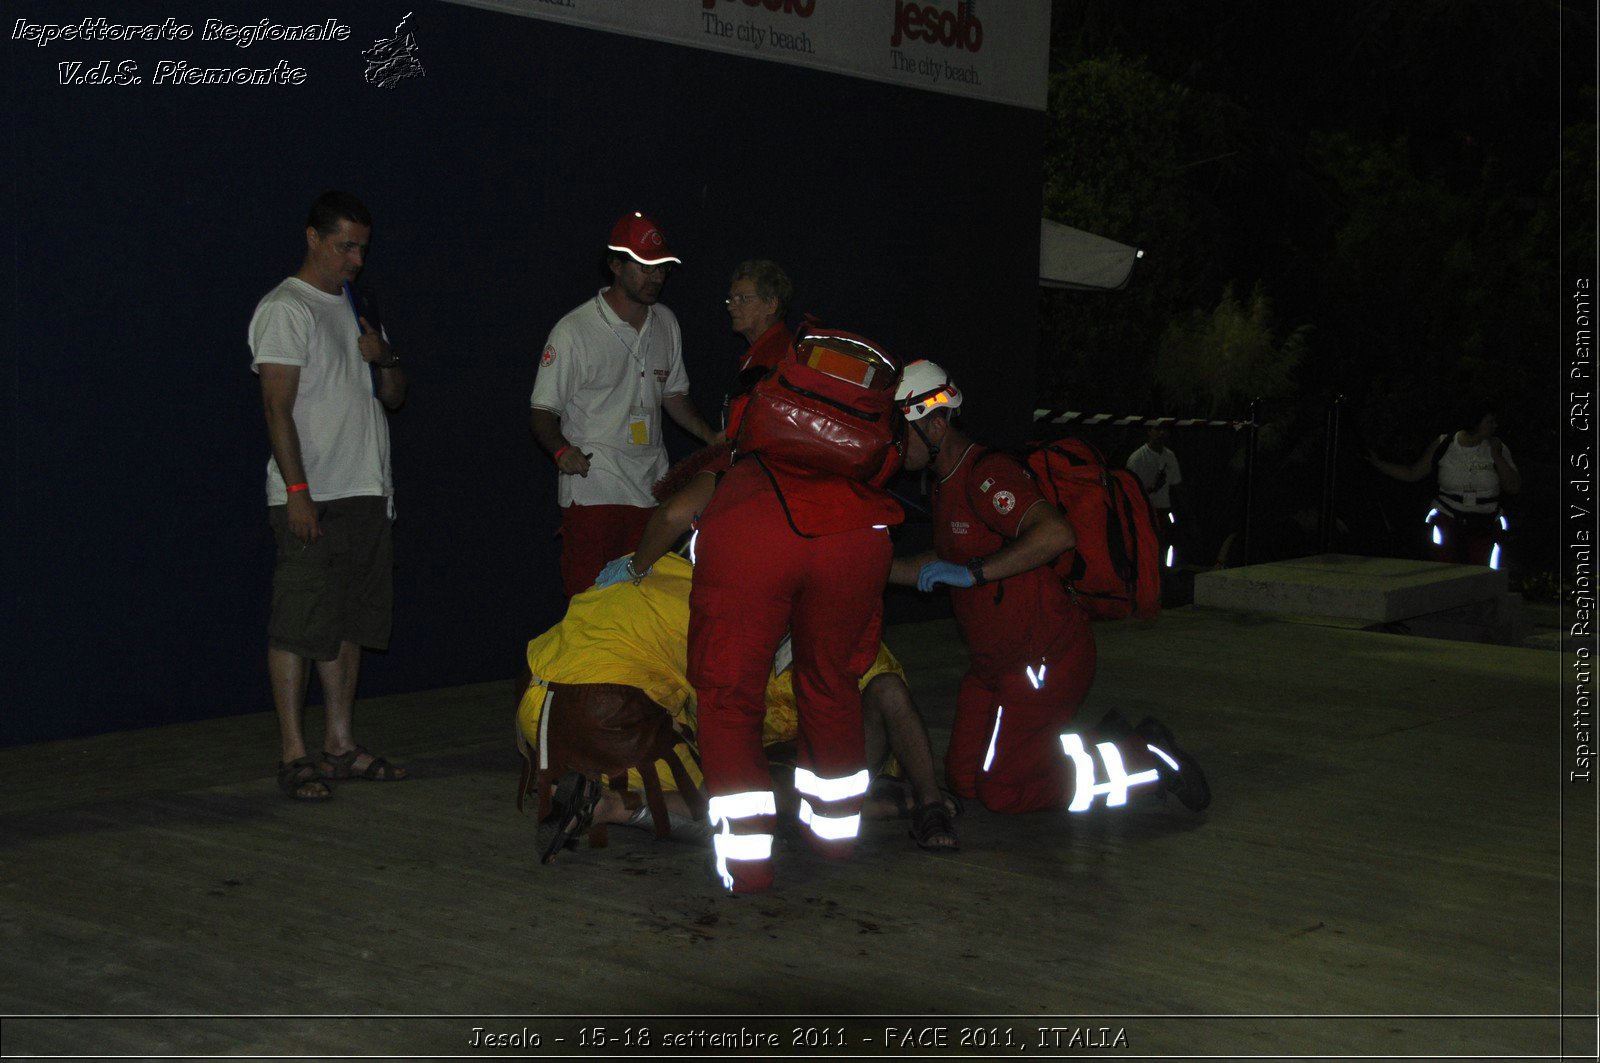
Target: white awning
(1072, 258)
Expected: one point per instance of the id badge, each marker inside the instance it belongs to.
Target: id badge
(639, 426)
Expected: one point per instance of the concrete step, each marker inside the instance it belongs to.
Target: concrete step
(1379, 590)
(1462, 602)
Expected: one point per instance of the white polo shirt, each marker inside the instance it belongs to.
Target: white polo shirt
(606, 382)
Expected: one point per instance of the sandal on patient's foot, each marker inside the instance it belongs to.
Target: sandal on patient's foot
(571, 812)
(932, 829)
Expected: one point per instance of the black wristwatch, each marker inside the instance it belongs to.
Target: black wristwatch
(975, 566)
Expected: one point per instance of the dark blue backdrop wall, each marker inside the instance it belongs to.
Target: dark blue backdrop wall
(148, 220)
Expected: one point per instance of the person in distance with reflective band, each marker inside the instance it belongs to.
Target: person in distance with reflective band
(608, 370)
(1032, 649)
(1474, 467)
(785, 548)
(1157, 468)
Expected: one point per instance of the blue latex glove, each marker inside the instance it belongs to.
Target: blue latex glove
(937, 572)
(614, 572)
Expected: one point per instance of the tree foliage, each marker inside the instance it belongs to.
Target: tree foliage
(1395, 173)
(1219, 361)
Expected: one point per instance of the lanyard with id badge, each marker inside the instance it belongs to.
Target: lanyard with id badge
(641, 415)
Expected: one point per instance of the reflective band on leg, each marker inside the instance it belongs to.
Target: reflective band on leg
(1000, 711)
(1162, 754)
(544, 729)
(1494, 556)
(1116, 789)
(742, 806)
(693, 539)
(1082, 772)
(1118, 781)
(1438, 539)
(1171, 554)
(829, 828)
(813, 785)
(1503, 524)
(730, 846)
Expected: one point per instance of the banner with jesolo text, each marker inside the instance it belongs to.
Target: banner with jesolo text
(996, 50)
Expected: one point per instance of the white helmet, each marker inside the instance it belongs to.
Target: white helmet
(925, 387)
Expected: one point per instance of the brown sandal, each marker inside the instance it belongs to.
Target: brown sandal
(932, 829)
(296, 776)
(378, 769)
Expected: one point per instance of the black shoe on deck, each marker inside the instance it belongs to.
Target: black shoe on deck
(1185, 779)
(1113, 727)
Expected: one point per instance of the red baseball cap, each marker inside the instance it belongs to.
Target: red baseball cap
(641, 239)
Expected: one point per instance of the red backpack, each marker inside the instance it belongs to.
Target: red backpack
(1116, 569)
(827, 407)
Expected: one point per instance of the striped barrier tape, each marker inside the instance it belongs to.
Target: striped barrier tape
(1078, 417)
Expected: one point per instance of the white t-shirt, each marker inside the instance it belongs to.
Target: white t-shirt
(1469, 473)
(1147, 465)
(606, 382)
(344, 432)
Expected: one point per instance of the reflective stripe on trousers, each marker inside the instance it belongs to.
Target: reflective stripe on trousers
(847, 790)
(746, 845)
(1118, 781)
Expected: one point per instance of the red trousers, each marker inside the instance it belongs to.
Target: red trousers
(1005, 744)
(594, 535)
(754, 579)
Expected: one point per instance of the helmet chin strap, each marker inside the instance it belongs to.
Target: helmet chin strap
(933, 453)
(933, 448)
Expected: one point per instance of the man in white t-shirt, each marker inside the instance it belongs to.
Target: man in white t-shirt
(328, 492)
(608, 370)
(1156, 466)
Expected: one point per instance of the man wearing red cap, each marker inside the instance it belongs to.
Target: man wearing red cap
(607, 371)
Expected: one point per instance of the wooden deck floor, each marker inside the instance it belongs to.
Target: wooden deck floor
(1391, 867)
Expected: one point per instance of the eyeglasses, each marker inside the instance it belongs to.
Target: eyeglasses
(662, 268)
(739, 300)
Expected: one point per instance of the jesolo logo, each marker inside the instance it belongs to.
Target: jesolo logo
(548, 356)
(956, 27)
(801, 8)
(1004, 502)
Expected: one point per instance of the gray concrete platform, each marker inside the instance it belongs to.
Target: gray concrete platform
(1374, 589)
(1393, 867)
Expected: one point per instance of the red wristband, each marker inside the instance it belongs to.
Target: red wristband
(560, 452)
(299, 487)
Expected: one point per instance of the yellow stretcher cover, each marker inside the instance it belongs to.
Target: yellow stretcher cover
(640, 636)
